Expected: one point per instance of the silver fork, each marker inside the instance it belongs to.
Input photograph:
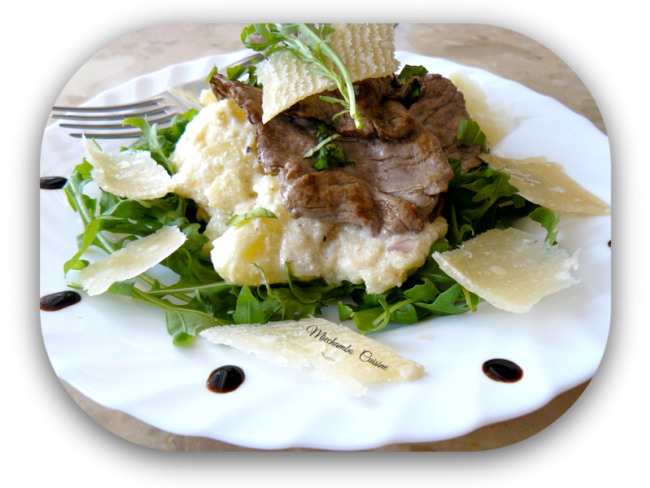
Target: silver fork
(106, 122)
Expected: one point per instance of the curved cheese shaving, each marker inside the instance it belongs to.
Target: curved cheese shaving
(129, 174)
(509, 268)
(132, 260)
(366, 49)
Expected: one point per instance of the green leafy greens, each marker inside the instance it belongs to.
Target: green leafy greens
(308, 44)
(469, 131)
(479, 200)
(405, 75)
(245, 74)
(328, 152)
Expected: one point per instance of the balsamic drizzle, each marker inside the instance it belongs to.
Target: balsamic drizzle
(225, 379)
(53, 182)
(57, 301)
(502, 370)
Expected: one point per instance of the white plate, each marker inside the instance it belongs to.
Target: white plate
(117, 351)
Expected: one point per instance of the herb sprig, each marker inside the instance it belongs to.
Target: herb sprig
(308, 44)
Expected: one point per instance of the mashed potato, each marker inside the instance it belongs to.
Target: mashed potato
(216, 164)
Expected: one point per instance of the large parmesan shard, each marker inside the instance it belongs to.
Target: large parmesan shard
(366, 49)
(135, 258)
(129, 174)
(335, 352)
(509, 268)
(546, 184)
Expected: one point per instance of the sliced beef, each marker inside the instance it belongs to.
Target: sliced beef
(336, 196)
(414, 163)
(440, 110)
(393, 185)
(378, 103)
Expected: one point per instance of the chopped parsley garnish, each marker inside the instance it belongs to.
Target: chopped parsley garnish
(327, 152)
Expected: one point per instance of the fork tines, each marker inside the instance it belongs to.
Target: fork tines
(96, 122)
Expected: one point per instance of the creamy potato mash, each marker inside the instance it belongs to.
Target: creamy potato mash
(216, 164)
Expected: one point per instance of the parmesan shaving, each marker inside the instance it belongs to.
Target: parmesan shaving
(509, 268)
(367, 50)
(334, 352)
(546, 184)
(135, 258)
(129, 174)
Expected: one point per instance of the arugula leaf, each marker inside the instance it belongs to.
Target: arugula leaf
(188, 262)
(212, 73)
(364, 319)
(478, 200)
(183, 321)
(405, 75)
(406, 314)
(245, 74)
(258, 213)
(294, 309)
(548, 220)
(345, 312)
(249, 310)
(425, 292)
(446, 302)
(304, 296)
(469, 131)
(123, 287)
(409, 72)
(308, 44)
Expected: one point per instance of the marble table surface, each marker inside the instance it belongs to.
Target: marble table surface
(501, 51)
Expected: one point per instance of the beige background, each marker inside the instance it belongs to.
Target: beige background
(498, 50)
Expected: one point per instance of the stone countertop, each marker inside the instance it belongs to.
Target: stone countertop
(501, 51)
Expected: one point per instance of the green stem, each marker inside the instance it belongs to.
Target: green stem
(86, 218)
(312, 35)
(311, 152)
(167, 306)
(217, 287)
(392, 308)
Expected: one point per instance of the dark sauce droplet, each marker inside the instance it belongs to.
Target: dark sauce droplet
(502, 370)
(225, 379)
(609, 243)
(53, 182)
(57, 301)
